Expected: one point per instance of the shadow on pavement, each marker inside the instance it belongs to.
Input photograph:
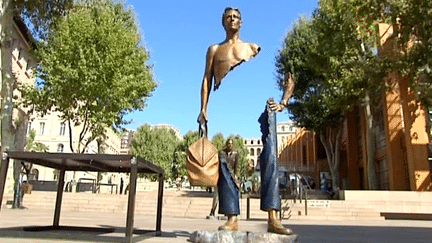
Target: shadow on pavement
(104, 233)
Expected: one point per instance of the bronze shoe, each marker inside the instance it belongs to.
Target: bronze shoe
(275, 226)
(231, 224)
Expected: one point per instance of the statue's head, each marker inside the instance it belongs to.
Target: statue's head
(229, 145)
(229, 9)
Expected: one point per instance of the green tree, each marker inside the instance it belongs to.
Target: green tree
(157, 145)
(93, 70)
(32, 145)
(309, 107)
(218, 140)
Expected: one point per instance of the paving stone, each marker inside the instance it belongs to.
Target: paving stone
(224, 236)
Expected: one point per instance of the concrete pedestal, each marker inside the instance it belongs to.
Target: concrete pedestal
(224, 236)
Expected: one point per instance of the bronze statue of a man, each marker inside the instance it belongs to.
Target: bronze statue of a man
(222, 58)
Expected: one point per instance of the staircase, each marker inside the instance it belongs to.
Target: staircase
(336, 210)
(175, 203)
(332, 210)
(358, 205)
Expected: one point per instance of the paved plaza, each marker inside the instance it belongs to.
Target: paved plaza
(175, 229)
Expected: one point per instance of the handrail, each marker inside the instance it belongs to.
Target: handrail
(303, 191)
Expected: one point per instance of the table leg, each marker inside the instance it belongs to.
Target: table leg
(59, 198)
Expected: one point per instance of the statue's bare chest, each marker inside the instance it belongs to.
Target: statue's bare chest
(232, 54)
(228, 56)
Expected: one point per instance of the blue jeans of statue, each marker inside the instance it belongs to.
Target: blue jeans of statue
(227, 189)
(270, 198)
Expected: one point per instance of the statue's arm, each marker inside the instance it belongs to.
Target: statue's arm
(288, 91)
(206, 84)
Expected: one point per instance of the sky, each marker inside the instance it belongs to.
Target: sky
(177, 35)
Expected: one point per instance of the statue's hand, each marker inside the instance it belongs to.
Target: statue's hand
(275, 106)
(202, 117)
(202, 121)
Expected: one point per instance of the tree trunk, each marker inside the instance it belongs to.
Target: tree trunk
(20, 141)
(332, 147)
(70, 136)
(7, 81)
(370, 146)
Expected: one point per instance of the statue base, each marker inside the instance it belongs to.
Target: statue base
(225, 236)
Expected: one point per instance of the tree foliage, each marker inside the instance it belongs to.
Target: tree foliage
(312, 106)
(32, 145)
(219, 141)
(309, 107)
(157, 145)
(412, 20)
(41, 15)
(93, 68)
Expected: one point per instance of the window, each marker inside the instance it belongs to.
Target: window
(283, 128)
(251, 141)
(62, 129)
(41, 128)
(259, 141)
(29, 127)
(258, 151)
(60, 148)
(380, 136)
(20, 50)
(124, 144)
(252, 152)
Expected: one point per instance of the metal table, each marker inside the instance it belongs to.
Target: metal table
(91, 162)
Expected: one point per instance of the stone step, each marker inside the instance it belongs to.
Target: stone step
(181, 204)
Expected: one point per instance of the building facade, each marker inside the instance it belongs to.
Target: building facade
(126, 141)
(254, 146)
(129, 134)
(54, 133)
(22, 65)
(283, 131)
